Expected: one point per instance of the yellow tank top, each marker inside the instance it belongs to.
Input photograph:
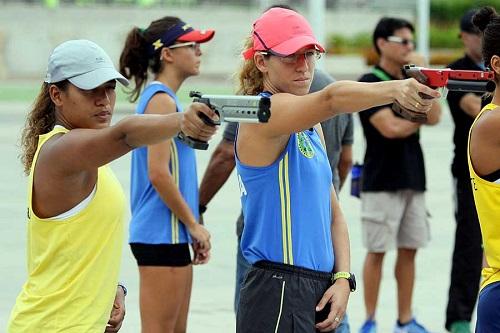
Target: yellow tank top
(487, 200)
(73, 263)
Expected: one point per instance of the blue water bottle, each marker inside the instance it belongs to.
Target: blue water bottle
(356, 172)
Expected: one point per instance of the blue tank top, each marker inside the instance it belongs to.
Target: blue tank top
(287, 206)
(152, 221)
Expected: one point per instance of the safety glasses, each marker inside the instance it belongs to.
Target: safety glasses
(193, 45)
(310, 56)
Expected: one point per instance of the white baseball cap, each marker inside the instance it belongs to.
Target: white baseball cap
(83, 63)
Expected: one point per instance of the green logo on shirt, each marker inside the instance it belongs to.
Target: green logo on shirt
(305, 145)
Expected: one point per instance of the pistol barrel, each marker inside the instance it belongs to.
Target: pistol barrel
(471, 86)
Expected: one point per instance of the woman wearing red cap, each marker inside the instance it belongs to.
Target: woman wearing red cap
(295, 235)
(164, 189)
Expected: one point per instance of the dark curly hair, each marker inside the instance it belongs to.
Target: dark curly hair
(41, 119)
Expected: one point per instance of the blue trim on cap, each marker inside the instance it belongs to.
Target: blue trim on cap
(170, 36)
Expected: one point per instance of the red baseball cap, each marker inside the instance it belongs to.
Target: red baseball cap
(181, 32)
(282, 31)
(199, 36)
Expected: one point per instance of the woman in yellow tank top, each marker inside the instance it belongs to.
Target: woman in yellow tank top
(484, 168)
(75, 204)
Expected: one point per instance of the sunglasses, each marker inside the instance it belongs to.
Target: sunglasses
(400, 40)
(193, 45)
(310, 56)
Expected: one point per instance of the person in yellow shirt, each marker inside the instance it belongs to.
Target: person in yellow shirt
(75, 204)
(484, 168)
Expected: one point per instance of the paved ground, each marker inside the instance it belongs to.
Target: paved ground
(211, 309)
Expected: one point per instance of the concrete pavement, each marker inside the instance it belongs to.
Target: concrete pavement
(211, 303)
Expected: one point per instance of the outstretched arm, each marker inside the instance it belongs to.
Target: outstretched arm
(291, 113)
(101, 146)
(261, 144)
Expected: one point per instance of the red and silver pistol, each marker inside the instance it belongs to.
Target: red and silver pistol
(448, 79)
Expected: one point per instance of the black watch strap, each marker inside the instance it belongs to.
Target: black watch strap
(123, 288)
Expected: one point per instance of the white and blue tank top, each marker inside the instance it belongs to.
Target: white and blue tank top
(287, 206)
(152, 221)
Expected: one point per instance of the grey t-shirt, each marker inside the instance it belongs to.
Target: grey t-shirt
(338, 131)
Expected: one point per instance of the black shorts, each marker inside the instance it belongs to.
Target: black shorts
(176, 255)
(281, 298)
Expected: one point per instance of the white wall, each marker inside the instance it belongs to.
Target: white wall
(29, 33)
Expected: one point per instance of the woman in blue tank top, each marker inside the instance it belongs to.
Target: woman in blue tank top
(164, 188)
(295, 235)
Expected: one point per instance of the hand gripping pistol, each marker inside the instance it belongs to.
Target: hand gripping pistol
(449, 79)
(230, 108)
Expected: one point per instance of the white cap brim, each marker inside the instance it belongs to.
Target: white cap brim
(97, 77)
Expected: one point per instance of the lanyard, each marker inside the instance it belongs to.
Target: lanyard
(381, 74)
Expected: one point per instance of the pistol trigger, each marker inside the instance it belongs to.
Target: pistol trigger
(216, 122)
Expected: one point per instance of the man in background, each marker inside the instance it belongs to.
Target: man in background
(392, 196)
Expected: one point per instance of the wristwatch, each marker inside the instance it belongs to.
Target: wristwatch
(348, 276)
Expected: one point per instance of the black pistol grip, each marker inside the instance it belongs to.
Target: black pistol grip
(264, 112)
(193, 143)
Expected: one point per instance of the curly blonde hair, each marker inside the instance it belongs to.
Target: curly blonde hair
(250, 78)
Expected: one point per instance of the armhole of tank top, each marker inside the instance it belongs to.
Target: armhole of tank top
(273, 164)
(32, 170)
(72, 211)
(493, 177)
(164, 90)
(76, 209)
(315, 130)
(280, 157)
